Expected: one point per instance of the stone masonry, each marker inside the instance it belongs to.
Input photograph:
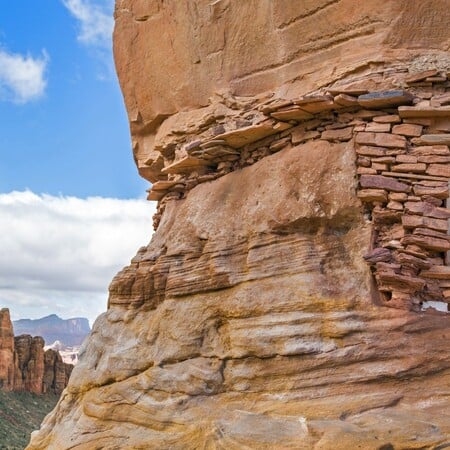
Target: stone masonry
(252, 319)
(400, 129)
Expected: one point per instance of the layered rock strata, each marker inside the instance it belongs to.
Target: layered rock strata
(25, 366)
(403, 159)
(6, 351)
(294, 292)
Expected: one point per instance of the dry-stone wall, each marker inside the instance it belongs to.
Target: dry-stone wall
(251, 319)
(401, 137)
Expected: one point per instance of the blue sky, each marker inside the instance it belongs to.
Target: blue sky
(73, 137)
(72, 208)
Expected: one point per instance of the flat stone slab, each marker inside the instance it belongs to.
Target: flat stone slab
(437, 272)
(381, 182)
(413, 221)
(439, 170)
(421, 76)
(381, 139)
(432, 139)
(292, 113)
(413, 176)
(384, 99)
(275, 105)
(410, 167)
(185, 165)
(346, 100)
(342, 134)
(348, 90)
(430, 150)
(316, 104)
(402, 282)
(156, 195)
(372, 195)
(164, 185)
(246, 135)
(407, 112)
(427, 242)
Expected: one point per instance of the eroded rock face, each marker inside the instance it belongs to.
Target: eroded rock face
(30, 362)
(25, 366)
(175, 56)
(6, 351)
(298, 151)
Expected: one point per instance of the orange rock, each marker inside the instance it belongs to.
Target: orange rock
(432, 139)
(378, 127)
(412, 221)
(435, 191)
(6, 351)
(380, 166)
(372, 195)
(406, 112)
(370, 151)
(420, 76)
(441, 170)
(427, 242)
(381, 140)
(410, 167)
(439, 272)
(402, 283)
(343, 134)
(390, 118)
(30, 356)
(346, 100)
(406, 129)
(431, 150)
(23, 364)
(380, 182)
(433, 159)
(409, 159)
(251, 319)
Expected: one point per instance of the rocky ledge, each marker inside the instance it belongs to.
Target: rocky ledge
(294, 293)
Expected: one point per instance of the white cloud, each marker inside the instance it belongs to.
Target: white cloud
(95, 20)
(22, 78)
(59, 254)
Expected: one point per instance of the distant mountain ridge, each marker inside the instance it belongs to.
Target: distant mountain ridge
(52, 328)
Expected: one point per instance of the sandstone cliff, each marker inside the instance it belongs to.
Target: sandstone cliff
(25, 366)
(295, 292)
(6, 351)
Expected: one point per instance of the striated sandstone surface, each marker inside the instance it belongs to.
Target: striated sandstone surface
(295, 293)
(25, 365)
(6, 351)
(178, 56)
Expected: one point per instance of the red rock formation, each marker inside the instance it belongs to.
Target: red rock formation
(25, 366)
(30, 362)
(298, 151)
(6, 351)
(56, 372)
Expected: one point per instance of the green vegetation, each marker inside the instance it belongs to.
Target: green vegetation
(20, 414)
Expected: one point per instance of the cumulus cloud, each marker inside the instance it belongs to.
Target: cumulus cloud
(59, 254)
(22, 78)
(95, 21)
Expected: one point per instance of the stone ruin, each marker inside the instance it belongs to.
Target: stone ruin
(295, 292)
(401, 137)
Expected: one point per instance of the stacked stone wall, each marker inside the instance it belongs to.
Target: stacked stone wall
(401, 138)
